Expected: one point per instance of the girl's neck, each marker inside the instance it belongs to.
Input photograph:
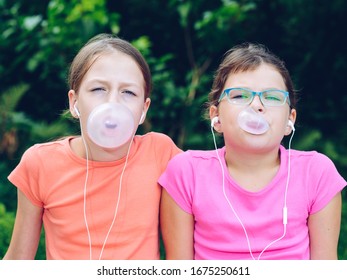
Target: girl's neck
(96, 153)
(252, 171)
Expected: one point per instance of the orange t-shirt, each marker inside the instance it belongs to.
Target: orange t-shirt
(53, 177)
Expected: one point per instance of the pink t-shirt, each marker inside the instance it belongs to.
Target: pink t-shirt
(194, 180)
(53, 177)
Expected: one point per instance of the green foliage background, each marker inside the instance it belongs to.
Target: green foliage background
(183, 42)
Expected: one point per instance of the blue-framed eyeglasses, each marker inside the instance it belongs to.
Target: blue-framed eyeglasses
(244, 96)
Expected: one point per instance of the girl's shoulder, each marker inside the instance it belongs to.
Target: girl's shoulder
(154, 137)
(313, 160)
(195, 157)
(48, 148)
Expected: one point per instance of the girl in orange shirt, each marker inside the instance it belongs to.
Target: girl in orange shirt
(96, 194)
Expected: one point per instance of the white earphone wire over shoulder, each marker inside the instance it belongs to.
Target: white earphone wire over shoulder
(284, 209)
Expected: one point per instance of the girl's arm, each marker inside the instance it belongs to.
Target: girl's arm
(26, 231)
(324, 230)
(177, 229)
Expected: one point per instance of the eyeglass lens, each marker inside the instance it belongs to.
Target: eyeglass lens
(267, 97)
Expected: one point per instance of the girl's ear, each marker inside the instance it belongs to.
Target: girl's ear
(72, 103)
(291, 121)
(215, 123)
(144, 110)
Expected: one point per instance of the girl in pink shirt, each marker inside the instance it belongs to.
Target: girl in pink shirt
(251, 199)
(97, 194)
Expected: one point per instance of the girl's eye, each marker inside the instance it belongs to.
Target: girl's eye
(272, 97)
(129, 92)
(98, 90)
(239, 94)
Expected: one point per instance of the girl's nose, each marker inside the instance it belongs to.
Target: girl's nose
(256, 104)
(114, 96)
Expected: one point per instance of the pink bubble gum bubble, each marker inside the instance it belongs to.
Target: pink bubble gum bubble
(252, 122)
(110, 125)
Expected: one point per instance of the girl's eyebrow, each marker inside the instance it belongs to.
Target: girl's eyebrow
(263, 89)
(104, 81)
(96, 80)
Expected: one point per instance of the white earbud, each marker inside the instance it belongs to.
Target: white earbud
(291, 124)
(142, 118)
(76, 110)
(214, 121)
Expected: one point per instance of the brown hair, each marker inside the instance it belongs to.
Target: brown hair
(98, 45)
(245, 57)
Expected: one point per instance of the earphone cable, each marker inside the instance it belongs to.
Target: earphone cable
(118, 200)
(285, 211)
(226, 197)
(85, 197)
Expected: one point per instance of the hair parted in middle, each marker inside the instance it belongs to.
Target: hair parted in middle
(101, 44)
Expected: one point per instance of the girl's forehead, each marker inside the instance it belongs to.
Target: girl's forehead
(263, 75)
(263, 67)
(108, 55)
(115, 63)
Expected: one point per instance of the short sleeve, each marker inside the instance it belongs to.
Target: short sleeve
(178, 181)
(165, 149)
(326, 182)
(26, 176)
